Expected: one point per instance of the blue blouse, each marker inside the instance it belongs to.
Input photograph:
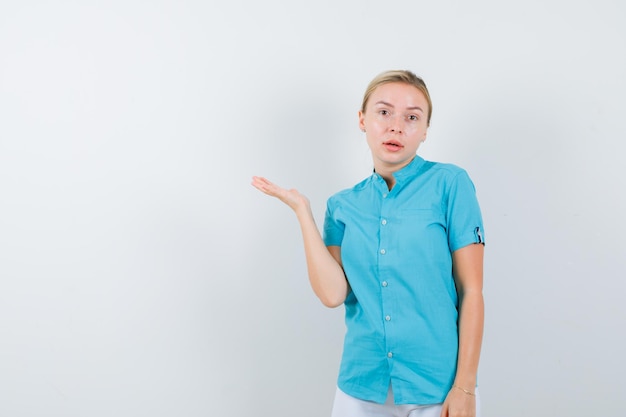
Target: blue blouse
(401, 311)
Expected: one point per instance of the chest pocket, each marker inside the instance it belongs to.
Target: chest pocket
(421, 218)
(422, 228)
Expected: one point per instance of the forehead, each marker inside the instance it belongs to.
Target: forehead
(399, 94)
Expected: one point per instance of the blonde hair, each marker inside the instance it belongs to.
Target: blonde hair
(398, 76)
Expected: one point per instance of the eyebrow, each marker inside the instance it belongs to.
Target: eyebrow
(384, 103)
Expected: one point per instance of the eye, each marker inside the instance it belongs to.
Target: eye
(383, 112)
(413, 118)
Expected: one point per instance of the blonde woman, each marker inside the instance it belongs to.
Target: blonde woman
(403, 252)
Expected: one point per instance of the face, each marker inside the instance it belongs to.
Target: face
(395, 124)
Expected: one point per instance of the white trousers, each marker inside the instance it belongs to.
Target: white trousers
(347, 406)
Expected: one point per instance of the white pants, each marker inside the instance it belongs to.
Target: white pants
(347, 406)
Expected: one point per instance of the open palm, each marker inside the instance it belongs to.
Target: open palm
(291, 197)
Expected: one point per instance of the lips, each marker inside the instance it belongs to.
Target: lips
(392, 145)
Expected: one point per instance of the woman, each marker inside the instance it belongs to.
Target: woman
(403, 251)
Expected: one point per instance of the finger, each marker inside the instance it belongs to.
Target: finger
(261, 183)
(268, 187)
(258, 185)
(264, 182)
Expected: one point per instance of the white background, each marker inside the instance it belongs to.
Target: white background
(142, 275)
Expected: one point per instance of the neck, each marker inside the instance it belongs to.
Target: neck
(387, 176)
(386, 172)
(390, 180)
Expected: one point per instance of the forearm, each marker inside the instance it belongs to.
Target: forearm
(325, 272)
(471, 323)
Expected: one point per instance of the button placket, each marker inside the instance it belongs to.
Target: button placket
(385, 228)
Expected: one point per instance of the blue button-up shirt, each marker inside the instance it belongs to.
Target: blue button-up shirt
(401, 312)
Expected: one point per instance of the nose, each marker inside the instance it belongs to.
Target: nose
(396, 124)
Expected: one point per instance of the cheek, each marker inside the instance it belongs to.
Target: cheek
(421, 129)
(416, 129)
(373, 125)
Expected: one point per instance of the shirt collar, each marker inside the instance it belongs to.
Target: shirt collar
(408, 171)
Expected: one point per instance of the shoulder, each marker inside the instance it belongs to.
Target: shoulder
(348, 193)
(447, 177)
(445, 169)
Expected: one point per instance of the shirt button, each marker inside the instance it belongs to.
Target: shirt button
(385, 195)
(387, 318)
(382, 251)
(385, 283)
(390, 355)
(383, 222)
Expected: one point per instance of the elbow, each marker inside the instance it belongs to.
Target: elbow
(332, 300)
(332, 304)
(331, 289)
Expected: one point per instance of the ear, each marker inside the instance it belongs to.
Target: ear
(361, 121)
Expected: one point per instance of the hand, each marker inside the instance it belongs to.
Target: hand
(459, 404)
(292, 197)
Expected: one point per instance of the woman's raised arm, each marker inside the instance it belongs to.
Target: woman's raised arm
(323, 263)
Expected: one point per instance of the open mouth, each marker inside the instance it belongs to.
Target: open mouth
(392, 145)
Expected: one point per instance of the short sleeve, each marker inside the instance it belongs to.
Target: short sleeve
(333, 228)
(464, 218)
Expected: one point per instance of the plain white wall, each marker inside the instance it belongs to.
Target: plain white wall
(141, 274)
